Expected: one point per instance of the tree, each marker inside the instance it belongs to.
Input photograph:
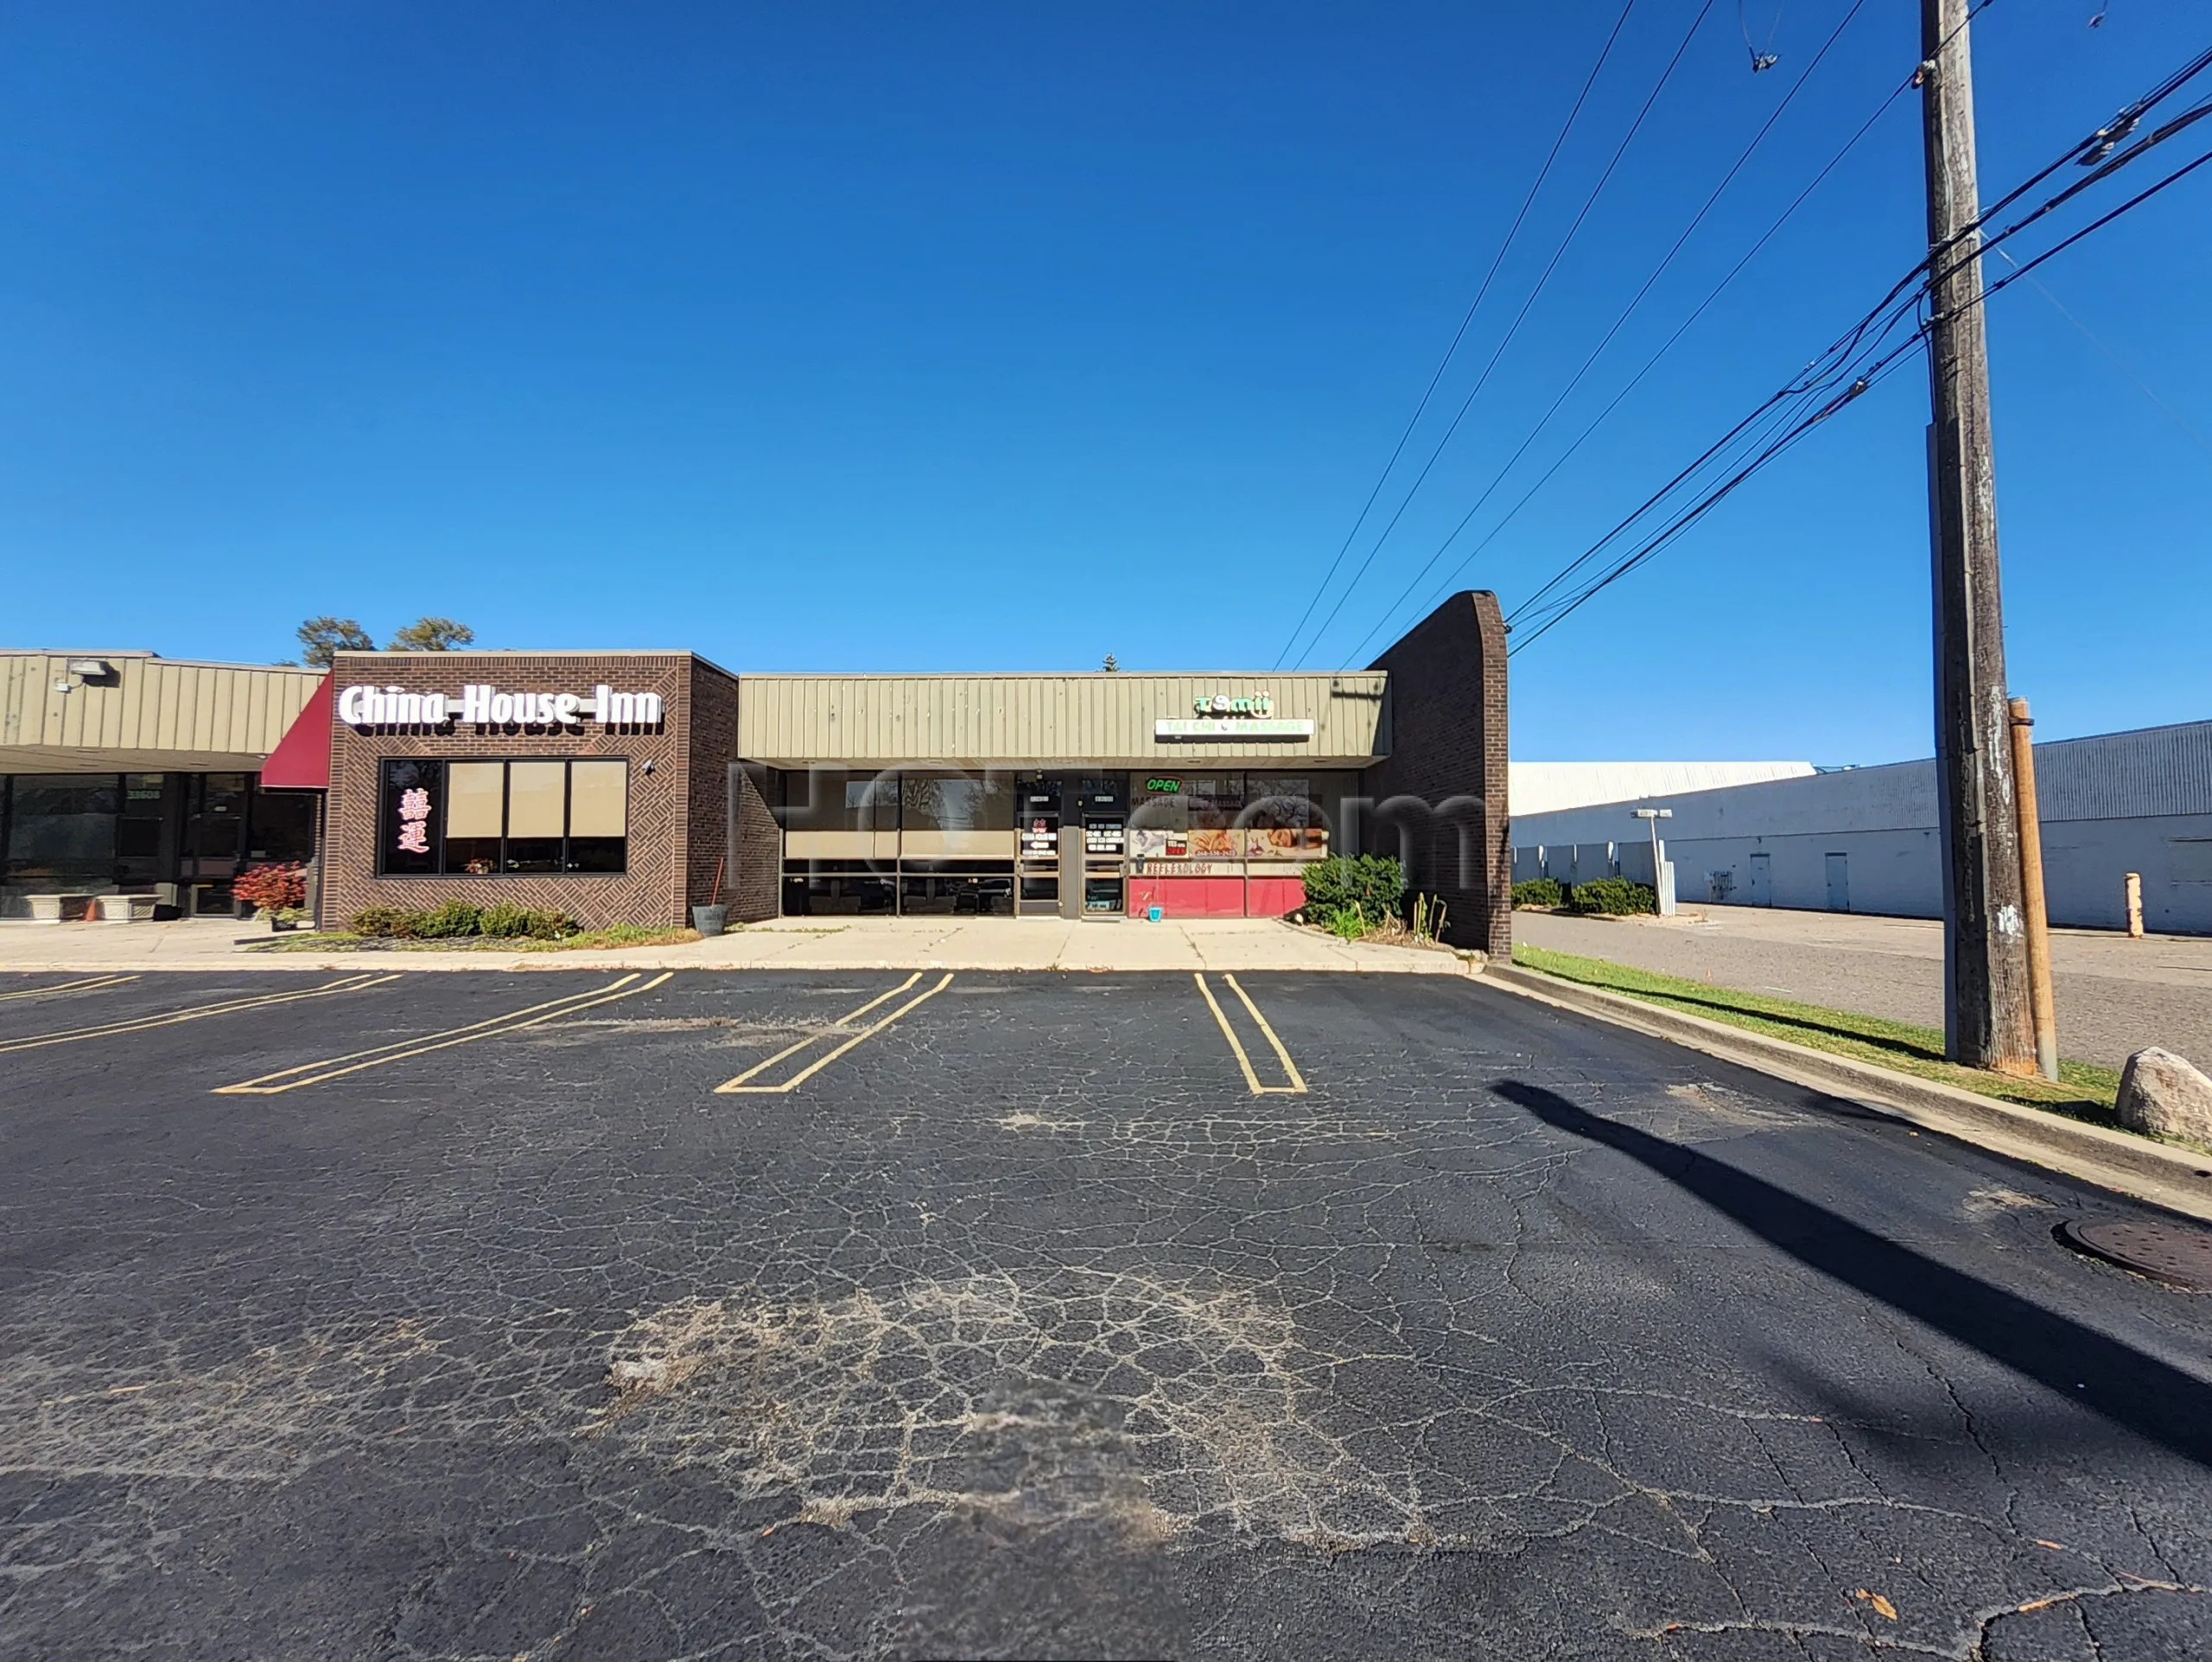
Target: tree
(432, 634)
(1112, 666)
(321, 637)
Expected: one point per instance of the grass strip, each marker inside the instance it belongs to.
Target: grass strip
(620, 935)
(2083, 1091)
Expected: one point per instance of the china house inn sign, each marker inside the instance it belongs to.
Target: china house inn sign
(486, 706)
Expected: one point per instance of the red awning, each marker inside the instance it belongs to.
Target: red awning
(300, 761)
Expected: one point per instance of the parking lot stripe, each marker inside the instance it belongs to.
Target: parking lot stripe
(90, 983)
(1289, 1068)
(1297, 1086)
(740, 1086)
(840, 1025)
(170, 1018)
(530, 1016)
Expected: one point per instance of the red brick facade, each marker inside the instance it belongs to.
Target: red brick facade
(754, 888)
(1441, 798)
(677, 813)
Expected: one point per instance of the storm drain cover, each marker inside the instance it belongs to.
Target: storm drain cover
(2174, 1253)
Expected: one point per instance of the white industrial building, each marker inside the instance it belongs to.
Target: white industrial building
(1864, 839)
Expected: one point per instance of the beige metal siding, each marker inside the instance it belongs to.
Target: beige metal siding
(158, 714)
(786, 720)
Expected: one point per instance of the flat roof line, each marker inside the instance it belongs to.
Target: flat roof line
(1058, 675)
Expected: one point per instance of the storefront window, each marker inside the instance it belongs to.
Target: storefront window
(214, 824)
(832, 799)
(1234, 816)
(280, 826)
(956, 802)
(537, 810)
(837, 890)
(503, 818)
(138, 832)
(599, 815)
(410, 817)
(61, 828)
(476, 807)
(956, 888)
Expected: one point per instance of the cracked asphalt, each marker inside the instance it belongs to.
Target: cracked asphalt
(1025, 1327)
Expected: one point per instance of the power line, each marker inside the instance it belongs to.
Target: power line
(1552, 616)
(1649, 363)
(1421, 409)
(1880, 323)
(2124, 368)
(1483, 379)
(1621, 320)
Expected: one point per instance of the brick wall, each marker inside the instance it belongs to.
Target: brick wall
(756, 869)
(714, 747)
(1439, 796)
(662, 810)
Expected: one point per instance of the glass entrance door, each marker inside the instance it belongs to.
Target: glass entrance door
(1037, 846)
(1105, 844)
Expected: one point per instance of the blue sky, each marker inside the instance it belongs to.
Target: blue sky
(886, 337)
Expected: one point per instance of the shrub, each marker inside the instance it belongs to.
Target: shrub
(521, 921)
(448, 921)
(503, 918)
(1612, 896)
(383, 922)
(1368, 889)
(1539, 891)
(273, 887)
(456, 919)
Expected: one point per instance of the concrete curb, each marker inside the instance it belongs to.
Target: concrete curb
(2156, 1172)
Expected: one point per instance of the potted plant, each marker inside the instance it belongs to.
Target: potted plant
(279, 891)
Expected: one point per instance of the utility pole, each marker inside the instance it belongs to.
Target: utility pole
(1986, 999)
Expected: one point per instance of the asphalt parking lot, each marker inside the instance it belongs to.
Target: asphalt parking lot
(881, 1315)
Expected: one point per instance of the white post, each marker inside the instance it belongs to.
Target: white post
(1661, 889)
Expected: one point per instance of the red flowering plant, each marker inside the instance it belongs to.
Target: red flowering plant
(279, 890)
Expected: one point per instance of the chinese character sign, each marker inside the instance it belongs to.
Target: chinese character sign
(414, 822)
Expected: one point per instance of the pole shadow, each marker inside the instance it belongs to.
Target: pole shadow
(2146, 1396)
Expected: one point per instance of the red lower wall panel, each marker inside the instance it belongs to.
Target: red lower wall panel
(1215, 897)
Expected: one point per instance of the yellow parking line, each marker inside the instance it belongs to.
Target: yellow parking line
(1289, 1068)
(400, 1050)
(837, 1026)
(740, 1086)
(1297, 1086)
(90, 983)
(169, 1018)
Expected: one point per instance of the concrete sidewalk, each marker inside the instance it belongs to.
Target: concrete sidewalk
(2114, 995)
(786, 944)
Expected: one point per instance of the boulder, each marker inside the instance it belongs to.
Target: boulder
(2161, 1094)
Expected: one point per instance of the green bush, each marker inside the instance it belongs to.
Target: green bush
(1366, 889)
(503, 918)
(1612, 896)
(383, 922)
(448, 921)
(1539, 891)
(458, 920)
